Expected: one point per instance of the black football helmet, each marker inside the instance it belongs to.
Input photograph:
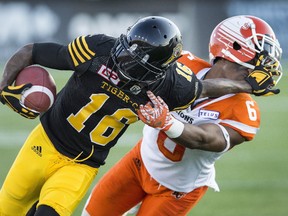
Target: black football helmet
(146, 51)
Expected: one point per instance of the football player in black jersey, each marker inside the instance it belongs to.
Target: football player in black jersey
(95, 107)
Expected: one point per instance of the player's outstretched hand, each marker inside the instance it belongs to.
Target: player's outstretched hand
(156, 114)
(261, 78)
(11, 96)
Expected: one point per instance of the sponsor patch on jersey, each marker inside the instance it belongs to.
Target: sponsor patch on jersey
(188, 119)
(208, 114)
(108, 74)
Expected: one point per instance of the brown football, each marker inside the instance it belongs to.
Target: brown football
(41, 96)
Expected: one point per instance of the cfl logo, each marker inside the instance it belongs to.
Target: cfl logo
(135, 89)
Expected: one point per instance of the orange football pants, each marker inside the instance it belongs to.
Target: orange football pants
(128, 183)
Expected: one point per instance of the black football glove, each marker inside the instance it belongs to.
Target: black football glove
(261, 78)
(11, 95)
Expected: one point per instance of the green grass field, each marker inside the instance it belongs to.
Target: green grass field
(253, 177)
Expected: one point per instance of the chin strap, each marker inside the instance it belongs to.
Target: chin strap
(236, 60)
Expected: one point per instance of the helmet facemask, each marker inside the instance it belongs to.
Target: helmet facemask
(143, 55)
(133, 65)
(264, 43)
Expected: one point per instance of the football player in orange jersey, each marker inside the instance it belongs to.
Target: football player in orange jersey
(172, 166)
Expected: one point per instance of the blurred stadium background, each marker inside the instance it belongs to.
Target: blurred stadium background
(253, 177)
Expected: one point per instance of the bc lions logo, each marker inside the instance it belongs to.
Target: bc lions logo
(178, 195)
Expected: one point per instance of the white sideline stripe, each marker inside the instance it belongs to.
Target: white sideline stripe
(17, 138)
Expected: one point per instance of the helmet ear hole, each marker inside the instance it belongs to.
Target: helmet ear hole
(236, 46)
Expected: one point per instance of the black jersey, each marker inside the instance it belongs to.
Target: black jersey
(90, 113)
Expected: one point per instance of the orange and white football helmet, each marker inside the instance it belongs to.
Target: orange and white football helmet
(240, 38)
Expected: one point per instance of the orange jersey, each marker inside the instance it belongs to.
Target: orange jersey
(240, 108)
(194, 63)
(182, 169)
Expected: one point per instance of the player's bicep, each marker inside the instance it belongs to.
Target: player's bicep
(81, 50)
(215, 138)
(207, 137)
(52, 55)
(220, 138)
